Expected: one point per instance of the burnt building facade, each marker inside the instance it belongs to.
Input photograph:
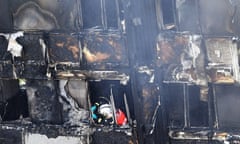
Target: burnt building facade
(119, 71)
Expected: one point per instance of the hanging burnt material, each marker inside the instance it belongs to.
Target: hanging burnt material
(104, 51)
(44, 106)
(64, 51)
(74, 104)
(32, 62)
(223, 64)
(78, 90)
(182, 55)
(45, 15)
(149, 97)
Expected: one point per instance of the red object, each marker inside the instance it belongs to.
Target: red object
(121, 118)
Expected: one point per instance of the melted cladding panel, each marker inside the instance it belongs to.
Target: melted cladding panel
(104, 51)
(45, 15)
(43, 103)
(221, 59)
(74, 104)
(170, 47)
(182, 56)
(219, 50)
(64, 49)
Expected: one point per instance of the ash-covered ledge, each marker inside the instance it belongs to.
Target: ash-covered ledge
(94, 75)
(26, 132)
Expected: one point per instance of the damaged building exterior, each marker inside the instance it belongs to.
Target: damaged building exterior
(119, 71)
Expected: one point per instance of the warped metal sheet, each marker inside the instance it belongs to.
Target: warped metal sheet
(104, 51)
(222, 60)
(183, 57)
(45, 14)
(64, 48)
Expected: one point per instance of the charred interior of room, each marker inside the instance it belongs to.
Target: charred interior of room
(119, 71)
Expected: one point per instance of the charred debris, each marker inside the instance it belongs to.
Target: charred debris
(119, 71)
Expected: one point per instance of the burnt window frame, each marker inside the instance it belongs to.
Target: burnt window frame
(159, 4)
(104, 23)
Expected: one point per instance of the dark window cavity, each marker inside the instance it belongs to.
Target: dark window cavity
(103, 14)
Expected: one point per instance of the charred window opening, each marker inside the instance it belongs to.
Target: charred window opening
(103, 14)
(168, 11)
(216, 17)
(13, 101)
(185, 106)
(58, 101)
(109, 103)
(4, 55)
(6, 21)
(227, 106)
(166, 14)
(187, 15)
(43, 103)
(91, 13)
